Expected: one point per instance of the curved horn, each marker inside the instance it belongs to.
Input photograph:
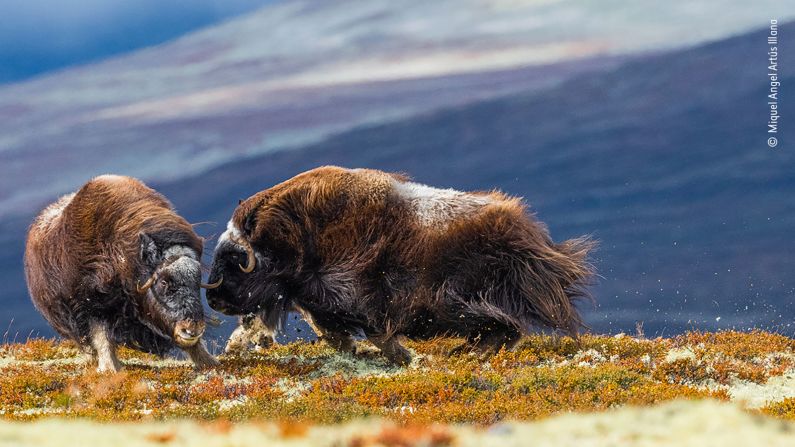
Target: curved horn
(251, 260)
(143, 288)
(214, 285)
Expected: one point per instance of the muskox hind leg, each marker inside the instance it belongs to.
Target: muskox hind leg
(490, 341)
(104, 347)
(391, 348)
(340, 341)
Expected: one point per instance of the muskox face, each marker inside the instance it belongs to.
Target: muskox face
(171, 296)
(246, 276)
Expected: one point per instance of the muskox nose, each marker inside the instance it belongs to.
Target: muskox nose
(188, 332)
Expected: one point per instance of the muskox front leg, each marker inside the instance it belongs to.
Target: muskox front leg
(391, 348)
(200, 357)
(104, 347)
(250, 331)
(340, 341)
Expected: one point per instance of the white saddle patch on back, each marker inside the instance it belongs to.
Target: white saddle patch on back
(439, 207)
(53, 212)
(110, 178)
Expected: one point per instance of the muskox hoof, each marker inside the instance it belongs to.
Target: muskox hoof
(489, 344)
(263, 343)
(108, 364)
(250, 334)
(341, 342)
(200, 357)
(237, 343)
(392, 350)
(401, 357)
(109, 368)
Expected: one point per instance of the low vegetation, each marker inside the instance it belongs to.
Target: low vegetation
(304, 383)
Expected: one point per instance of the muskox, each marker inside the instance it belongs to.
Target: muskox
(364, 252)
(114, 264)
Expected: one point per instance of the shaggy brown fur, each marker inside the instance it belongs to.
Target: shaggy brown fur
(364, 250)
(86, 254)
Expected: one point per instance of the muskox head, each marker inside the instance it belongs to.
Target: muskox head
(261, 255)
(240, 269)
(170, 296)
(252, 267)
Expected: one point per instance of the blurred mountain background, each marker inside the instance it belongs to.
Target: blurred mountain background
(639, 122)
(39, 36)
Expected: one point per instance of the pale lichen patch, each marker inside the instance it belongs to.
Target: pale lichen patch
(756, 395)
(291, 388)
(683, 353)
(680, 423)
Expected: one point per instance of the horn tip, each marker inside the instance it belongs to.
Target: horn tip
(214, 285)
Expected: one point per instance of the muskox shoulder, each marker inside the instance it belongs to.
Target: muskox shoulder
(114, 182)
(112, 178)
(120, 191)
(439, 207)
(53, 213)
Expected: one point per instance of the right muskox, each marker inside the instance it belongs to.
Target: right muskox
(113, 263)
(361, 251)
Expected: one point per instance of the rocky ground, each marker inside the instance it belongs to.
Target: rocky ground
(722, 388)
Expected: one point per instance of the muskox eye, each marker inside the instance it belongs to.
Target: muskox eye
(163, 284)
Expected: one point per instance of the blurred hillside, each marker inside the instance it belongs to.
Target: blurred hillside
(664, 160)
(656, 150)
(295, 72)
(82, 31)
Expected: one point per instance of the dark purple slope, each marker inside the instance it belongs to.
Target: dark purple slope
(663, 160)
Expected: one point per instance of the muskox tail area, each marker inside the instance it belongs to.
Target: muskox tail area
(503, 267)
(551, 279)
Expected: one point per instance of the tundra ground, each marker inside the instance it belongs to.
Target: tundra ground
(302, 388)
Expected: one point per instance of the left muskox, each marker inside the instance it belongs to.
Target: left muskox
(366, 252)
(113, 263)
